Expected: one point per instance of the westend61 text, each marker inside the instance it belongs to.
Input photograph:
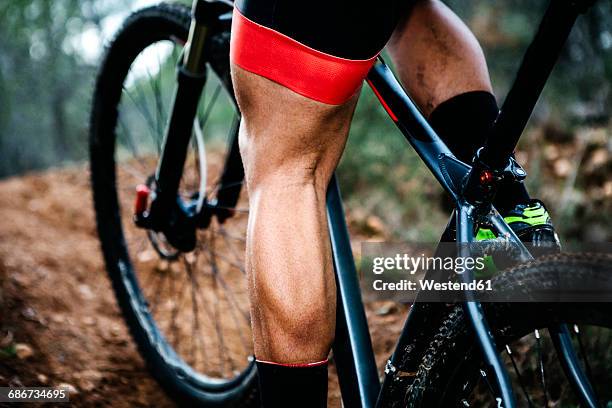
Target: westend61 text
(429, 284)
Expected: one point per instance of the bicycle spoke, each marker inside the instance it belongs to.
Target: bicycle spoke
(227, 235)
(196, 328)
(585, 360)
(243, 340)
(162, 110)
(229, 293)
(147, 119)
(210, 314)
(157, 291)
(147, 116)
(228, 261)
(176, 302)
(128, 137)
(217, 187)
(239, 263)
(519, 376)
(210, 105)
(483, 375)
(231, 299)
(235, 210)
(215, 269)
(196, 333)
(155, 88)
(541, 366)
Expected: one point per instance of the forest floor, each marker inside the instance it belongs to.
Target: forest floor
(59, 322)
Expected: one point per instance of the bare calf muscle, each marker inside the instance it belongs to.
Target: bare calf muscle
(290, 146)
(437, 56)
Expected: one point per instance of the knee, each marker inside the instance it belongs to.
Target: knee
(273, 165)
(285, 137)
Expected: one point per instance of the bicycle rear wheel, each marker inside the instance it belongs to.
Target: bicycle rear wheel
(188, 312)
(451, 374)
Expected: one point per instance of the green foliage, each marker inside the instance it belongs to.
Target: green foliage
(45, 82)
(579, 90)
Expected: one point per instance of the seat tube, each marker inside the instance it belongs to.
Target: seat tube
(357, 372)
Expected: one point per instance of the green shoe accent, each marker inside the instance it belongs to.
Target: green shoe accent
(533, 221)
(484, 234)
(535, 211)
(522, 217)
(532, 215)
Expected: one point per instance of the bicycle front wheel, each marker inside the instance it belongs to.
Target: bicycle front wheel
(188, 312)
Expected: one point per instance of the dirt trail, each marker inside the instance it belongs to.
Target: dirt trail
(59, 322)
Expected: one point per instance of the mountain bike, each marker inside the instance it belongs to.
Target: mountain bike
(171, 216)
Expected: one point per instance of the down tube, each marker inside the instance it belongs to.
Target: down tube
(413, 125)
(352, 347)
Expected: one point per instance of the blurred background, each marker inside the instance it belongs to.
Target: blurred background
(48, 57)
(59, 322)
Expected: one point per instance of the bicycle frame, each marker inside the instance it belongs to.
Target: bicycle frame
(353, 349)
(357, 372)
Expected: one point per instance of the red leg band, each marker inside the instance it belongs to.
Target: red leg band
(311, 73)
(315, 364)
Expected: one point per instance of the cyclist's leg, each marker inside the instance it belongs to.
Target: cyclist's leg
(444, 69)
(297, 91)
(290, 146)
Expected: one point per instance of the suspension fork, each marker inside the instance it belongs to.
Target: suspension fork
(191, 77)
(167, 214)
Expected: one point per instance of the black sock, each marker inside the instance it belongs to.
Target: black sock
(463, 122)
(297, 386)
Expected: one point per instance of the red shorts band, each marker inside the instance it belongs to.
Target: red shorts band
(297, 365)
(306, 71)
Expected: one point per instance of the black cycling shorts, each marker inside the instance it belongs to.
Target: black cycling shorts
(321, 49)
